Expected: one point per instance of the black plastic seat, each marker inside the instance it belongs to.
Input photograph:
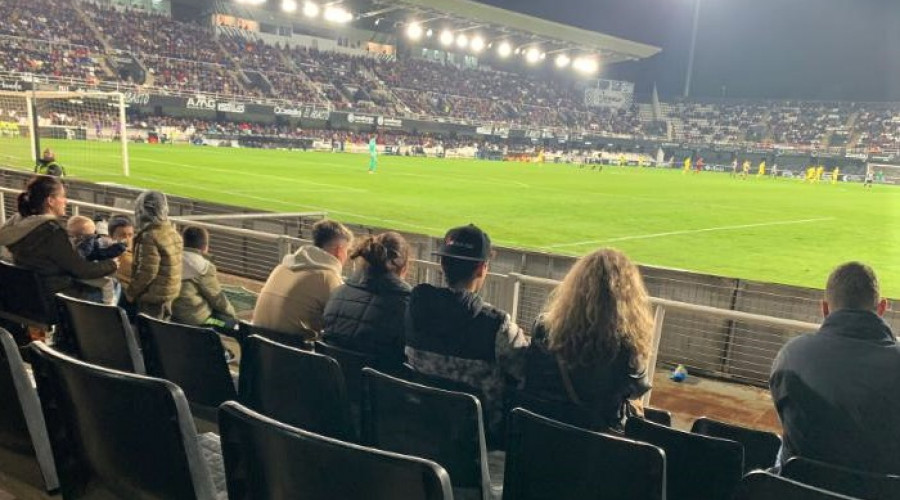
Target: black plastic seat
(696, 466)
(24, 443)
(760, 447)
(440, 425)
(300, 388)
(658, 416)
(246, 329)
(267, 459)
(352, 363)
(120, 435)
(548, 460)
(760, 485)
(191, 357)
(24, 298)
(843, 480)
(99, 334)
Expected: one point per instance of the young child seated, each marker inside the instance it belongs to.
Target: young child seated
(94, 247)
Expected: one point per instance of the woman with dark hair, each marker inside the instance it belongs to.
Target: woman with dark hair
(590, 349)
(37, 240)
(366, 314)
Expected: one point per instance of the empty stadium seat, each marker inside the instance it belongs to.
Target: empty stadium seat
(658, 416)
(851, 482)
(24, 444)
(24, 298)
(547, 460)
(440, 425)
(299, 388)
(191, 357)
(120, 435)
(267, 459)
(352, 363)
(696, 466)
(760, 447)
(98, 333)
(760, 485)
(246, 329)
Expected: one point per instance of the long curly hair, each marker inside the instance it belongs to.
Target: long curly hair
(384, 253)
(599, 309)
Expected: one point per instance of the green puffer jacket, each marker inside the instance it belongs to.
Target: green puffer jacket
(156, 269)
(201, 294)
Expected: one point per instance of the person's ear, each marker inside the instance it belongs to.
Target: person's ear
(882, 307)
(825, 310)
(482, 270)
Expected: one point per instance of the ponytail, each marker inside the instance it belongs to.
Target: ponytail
(39, 188)
(383, 253)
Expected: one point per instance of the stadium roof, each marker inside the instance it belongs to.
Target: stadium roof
(530, 29)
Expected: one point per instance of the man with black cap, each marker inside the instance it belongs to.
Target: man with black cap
(453, 334)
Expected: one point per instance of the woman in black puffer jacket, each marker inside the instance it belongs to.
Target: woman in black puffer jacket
(366, 313)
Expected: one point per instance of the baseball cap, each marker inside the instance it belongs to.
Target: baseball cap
(466, 243)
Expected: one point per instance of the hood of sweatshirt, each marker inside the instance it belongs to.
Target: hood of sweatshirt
(309, 257)
(17, 227)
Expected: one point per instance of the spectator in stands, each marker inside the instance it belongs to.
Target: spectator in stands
(93, 247)
(366, 314)
(156, 269)
(37, 240)
(121, 229)
(294, 297)
(590, 350)
(452, 333)
(836, 390)
(47, 165)
(201, 301)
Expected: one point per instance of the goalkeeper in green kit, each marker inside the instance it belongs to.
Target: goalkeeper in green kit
(373, 154)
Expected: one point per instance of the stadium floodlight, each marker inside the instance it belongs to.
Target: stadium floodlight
(446, 38)
(462, 41)
(414, 31)
(477, 43)
(586, 65)
(310, 9)
(543, 55)
(252, 2)
(337, 14)
(532, 55)
(504, 49)
(562, 61)
(289, 6)
(517, 50)
(429, 33)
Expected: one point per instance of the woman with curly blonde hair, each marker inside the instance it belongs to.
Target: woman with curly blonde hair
(591, 348)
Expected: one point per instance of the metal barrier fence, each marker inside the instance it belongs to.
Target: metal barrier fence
(694, 325)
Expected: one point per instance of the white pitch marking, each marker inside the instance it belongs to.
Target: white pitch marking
(691, 231)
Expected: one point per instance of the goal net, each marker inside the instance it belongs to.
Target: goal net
(85, 130)
(884, 173)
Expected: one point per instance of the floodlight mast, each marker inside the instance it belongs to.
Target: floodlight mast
(690, 66)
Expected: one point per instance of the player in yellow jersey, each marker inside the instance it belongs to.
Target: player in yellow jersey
(687, 165)
(810, 174)
(819, 173)
(762, 169)
(835, 175)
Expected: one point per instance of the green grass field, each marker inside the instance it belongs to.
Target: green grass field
(779, 231)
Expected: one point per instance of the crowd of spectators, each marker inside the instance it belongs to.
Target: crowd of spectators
(55, 21)
(58, 60)
(719, 123)
(878, 127)
(807, 123)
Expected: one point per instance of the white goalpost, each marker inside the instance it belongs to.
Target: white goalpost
(86, 130)
(884, 172)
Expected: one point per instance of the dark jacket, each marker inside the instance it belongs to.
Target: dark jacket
(40, 242)
(366, 314)
(837, 393)
(602, 389)
(454, 334)
(93, 248)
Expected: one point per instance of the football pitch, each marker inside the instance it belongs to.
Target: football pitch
(781, 231)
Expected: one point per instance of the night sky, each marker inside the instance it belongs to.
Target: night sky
(805, 49)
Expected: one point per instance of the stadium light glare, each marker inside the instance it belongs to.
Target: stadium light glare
(446, 37)
(543, 55)
(462, 41)
(337, 14)
(289, 6)
(310, 9)
(414, 31)
(586, 65)
(477, 43)
(429, 33)
(532, 55)
(562, 61)
(517, 51)
(504, 49)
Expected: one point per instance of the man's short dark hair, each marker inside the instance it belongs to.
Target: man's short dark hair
(118, 222)
(195, 237)
(852, 286)
(327, 231)
(458, 271)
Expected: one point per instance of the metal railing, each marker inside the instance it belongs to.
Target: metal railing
(710, 340)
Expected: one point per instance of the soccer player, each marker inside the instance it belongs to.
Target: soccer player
(810, 174)
(745, 169)
(373, 154)
(699, 166)
(819, 173)
(762, 169)
(835, 175)
(687, 165)
(870, 178)
(734, 165)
